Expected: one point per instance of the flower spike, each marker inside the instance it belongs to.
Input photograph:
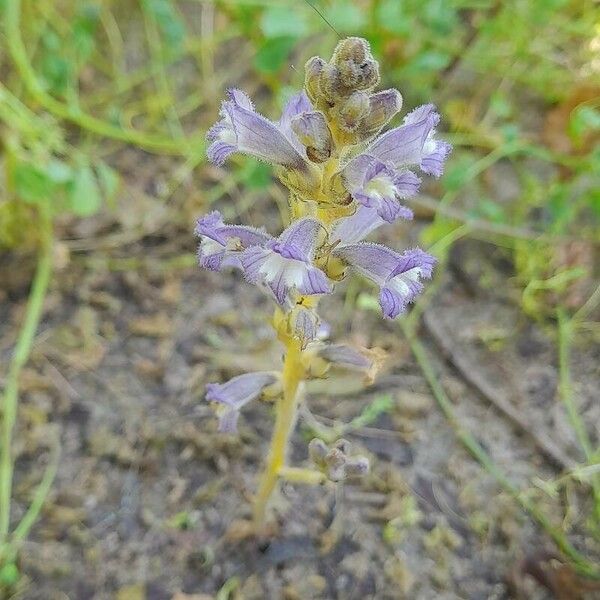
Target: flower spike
(345, 180)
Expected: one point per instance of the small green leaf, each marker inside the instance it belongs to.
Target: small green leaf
(440, 15)
(390, 16)
(55, 68)
(428, 61)
(437, 231)
(510, 132)
(273, 54)
(257, 174)
(9, 575)
(168, 21)
(108, 179)
(584, 119)
(32, 184)
(500, 105)
(371, 412)
(84, 30)
(84, 197)
(490, 210)
(367, 301)
(457, 173)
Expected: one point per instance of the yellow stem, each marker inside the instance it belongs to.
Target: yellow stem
(300, 475)
(286, 410)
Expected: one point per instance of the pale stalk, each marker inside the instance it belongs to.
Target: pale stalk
(286, 412)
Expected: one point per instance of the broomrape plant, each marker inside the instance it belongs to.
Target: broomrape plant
(345, 179)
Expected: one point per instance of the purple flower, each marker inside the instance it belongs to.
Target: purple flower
(284, 264)
(397, 275)
(235, 394)
(413, 143)
(242, 129)
(380, 187)
(221, 244)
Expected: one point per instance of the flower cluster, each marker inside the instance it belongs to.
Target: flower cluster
(345, 177)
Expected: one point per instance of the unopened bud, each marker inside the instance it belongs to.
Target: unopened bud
(317, 450)
(312, 131)
(357, 67)
(357, 466)
(343, 445)
(312, 69)
(330, 85)
(382, 107)
(353, 110)
(303, 324)
(335, 462)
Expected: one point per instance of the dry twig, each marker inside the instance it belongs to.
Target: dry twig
(495, 397)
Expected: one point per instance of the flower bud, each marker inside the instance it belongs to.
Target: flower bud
(382, 107)
(353, 110)
(335, 462)
(317, 450)
(303, 324)
(312, 131)
(330, 85)
(312, 69)
(357, 466)
(336, 465)
(357, 67)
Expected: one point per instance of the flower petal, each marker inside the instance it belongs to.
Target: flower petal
(433, 163)
(304, 324)
(228, 420)
(352, 229)
(374, 261)
(403, 146)
(239, 390)
(403, 284)
(413, 143)
(296, 105)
